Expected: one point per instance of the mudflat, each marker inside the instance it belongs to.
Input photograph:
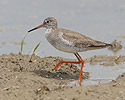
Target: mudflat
(23, 78)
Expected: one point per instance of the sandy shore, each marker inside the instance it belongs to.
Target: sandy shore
(35, 79)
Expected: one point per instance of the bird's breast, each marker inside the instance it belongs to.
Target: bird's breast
(56, 40)
(50, 36)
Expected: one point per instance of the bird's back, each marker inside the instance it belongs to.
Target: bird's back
(70, 41)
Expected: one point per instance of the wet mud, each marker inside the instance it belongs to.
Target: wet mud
(34, 79)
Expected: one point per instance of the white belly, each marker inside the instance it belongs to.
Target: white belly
(59, 43)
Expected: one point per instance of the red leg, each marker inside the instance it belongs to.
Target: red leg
(79, 80)
(77, 57)
(80, 60)
(74, 62)
(61, 62)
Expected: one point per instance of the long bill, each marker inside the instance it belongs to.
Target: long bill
(36, 28)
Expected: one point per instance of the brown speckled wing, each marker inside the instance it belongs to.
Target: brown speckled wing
(80, 40)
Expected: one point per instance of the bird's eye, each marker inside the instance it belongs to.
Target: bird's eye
(47, 21)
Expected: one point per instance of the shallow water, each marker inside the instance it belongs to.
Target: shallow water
(102, 20)
(100, 74)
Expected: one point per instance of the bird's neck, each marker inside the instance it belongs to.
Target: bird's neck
(48, 30)
(51, 29)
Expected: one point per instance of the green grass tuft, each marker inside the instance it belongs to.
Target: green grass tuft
(36, 47)
(34, 50)
(22, 43)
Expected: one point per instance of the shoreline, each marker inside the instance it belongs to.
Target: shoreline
(21, 78)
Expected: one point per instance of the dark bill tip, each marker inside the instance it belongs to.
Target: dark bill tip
(32, 30)
(36, 28)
